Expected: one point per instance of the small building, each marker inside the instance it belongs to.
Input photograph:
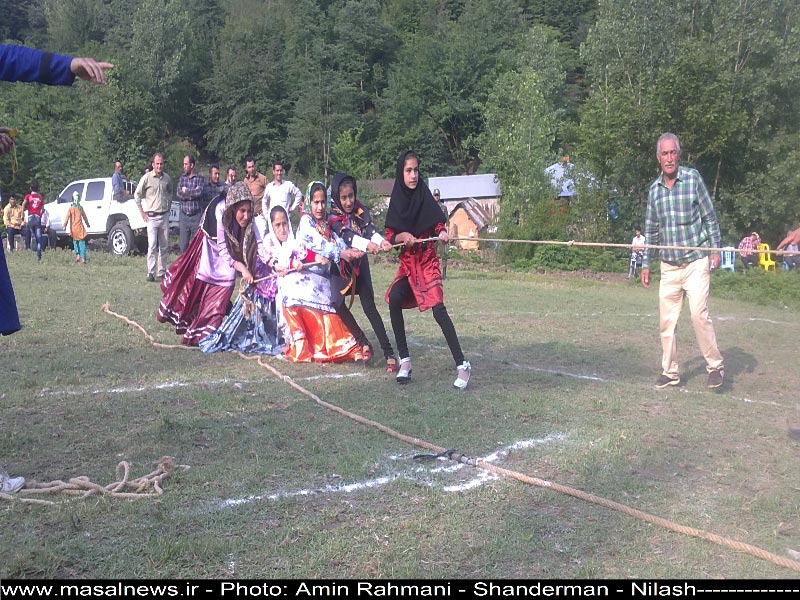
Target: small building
(468, 219)
(483, 189)
(376, 191)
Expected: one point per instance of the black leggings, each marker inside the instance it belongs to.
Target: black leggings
(367, 296)
(399, 291)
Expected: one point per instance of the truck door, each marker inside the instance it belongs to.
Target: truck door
(58, 209)
(96, 206)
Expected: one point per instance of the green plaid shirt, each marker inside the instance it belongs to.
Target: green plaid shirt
(682, 216)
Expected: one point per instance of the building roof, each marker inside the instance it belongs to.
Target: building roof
(376, 187)
(562, 177)
(466, 186)
(476, 212)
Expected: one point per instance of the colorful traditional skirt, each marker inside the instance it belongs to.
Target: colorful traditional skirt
(251, 326)
(317, 336)
(195, 307)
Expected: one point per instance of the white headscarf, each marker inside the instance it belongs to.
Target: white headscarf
(282, 251)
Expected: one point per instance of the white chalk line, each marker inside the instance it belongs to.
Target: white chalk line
(420, 474)
(237, 383)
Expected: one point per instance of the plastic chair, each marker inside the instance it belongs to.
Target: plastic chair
(728, 259)
(765, 260)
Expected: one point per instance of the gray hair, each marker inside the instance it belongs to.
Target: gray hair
(668, 136)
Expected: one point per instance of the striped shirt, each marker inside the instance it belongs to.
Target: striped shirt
(681, 216)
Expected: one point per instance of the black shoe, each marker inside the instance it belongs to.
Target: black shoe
(664, 381)
(715, 378)
(150, 277)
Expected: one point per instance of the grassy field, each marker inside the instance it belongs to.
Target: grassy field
(562, 390)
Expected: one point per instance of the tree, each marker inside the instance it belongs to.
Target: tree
(519, 130)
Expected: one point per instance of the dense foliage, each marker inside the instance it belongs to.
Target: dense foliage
(503, 86)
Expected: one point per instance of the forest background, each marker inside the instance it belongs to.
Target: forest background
(474, 86)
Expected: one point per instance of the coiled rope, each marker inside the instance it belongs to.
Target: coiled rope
(476, 462)
(146, 486)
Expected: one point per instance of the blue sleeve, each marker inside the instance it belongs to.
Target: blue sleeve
(18, 63)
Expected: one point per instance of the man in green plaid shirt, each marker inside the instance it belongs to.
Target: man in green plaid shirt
(680, 213)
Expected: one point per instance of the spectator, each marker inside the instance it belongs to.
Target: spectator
(13, 219)
(34, 204)
(281, 192)
(680, 213)
(27, 234)
(791, 261)
(190, 194)
(153, 196)
(118, 183)
(230, 178)
(256, 181)
(746, 246)
(73, 223)
(637, 253)
(213, 187)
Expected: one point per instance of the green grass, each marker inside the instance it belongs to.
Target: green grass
(567, 361)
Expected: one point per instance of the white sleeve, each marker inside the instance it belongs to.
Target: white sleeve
(377, 239)
(359, 243)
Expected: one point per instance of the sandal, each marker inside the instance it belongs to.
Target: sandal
(391, 364)
(464, 371)
(404, 374)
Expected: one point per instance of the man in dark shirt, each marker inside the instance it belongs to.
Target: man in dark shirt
(190, 195)
(213, 187)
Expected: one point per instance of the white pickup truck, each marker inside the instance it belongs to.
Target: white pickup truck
(118, 221)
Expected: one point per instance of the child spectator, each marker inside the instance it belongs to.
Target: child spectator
(73, 223)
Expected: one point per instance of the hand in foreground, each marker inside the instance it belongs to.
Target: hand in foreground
(386, 246)
(89, 69)
(6, 139)
(444, 236)
(714, 259)
(247, 276)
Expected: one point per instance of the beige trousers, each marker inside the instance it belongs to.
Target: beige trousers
(692, 281)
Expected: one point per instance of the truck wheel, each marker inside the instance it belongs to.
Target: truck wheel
(120, 239)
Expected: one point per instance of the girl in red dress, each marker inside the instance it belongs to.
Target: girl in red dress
(414, 215)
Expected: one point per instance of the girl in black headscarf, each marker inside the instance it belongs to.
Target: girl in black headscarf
(414, 215)
(351, 221)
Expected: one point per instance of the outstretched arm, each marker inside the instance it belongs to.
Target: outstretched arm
(793, 237)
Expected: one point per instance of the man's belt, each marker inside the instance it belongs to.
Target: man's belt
(152, 213)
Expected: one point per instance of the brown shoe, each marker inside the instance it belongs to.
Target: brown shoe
(715, 378)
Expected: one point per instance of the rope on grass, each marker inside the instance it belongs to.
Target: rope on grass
(453, 455)
(146, 486)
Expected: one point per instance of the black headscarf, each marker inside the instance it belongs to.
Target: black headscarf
(412, 211)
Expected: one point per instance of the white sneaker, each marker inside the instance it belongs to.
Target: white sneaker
(9, 485)
(464, 371)
(404, 373)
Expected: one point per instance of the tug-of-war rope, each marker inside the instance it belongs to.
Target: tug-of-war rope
(607, 245)
(146, 486)
(452, 454)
